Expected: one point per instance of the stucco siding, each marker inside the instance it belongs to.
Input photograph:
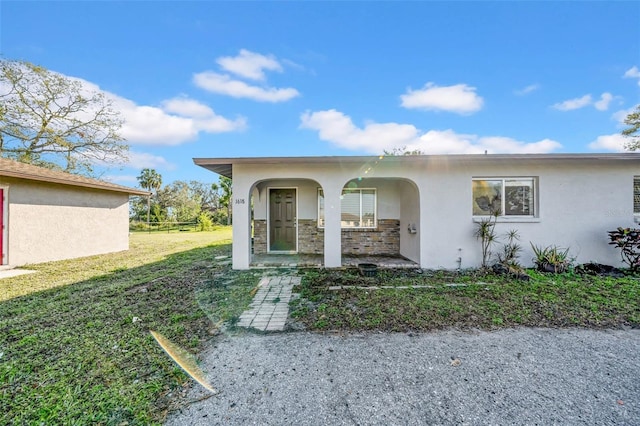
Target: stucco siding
(577, 201)
(577, 204)
(53, 222)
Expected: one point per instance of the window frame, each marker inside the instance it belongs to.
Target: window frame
(534, 216)
(320, 222)
(636, 196)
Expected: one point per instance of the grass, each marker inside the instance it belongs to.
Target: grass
(75, 346)
(475, 300)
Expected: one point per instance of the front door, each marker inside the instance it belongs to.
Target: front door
(282, 220)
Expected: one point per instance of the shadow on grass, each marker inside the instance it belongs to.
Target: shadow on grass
(82, 353)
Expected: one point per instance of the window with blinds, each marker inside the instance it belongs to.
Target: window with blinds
(357, 208)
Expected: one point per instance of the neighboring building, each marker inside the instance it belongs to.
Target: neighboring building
(426, 208)
(50, 215)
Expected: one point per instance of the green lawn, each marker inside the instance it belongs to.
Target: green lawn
(473, 301)
(70, 350)
(72, 353)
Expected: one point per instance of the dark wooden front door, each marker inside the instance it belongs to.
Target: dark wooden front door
(282, 219)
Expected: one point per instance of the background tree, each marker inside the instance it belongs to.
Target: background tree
(403, 151)
(208, 195)
(55, 121)
(633, 131)
(180, 202)
(150, 180)
(225, 197)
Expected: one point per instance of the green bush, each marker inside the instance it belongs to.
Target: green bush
(138, 226)
(551, 258)
(628, 241)
(204, 222)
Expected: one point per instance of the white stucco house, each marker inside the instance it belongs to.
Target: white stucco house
(50, 215)
(426, 208)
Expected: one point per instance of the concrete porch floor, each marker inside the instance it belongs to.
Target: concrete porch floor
(299, 260)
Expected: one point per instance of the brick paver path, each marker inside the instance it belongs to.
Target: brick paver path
(270, 306)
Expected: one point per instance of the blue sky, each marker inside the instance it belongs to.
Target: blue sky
(237, 79)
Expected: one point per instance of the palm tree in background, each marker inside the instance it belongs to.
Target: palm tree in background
(150, 180)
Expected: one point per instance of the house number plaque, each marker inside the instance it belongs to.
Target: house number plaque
(239, 200)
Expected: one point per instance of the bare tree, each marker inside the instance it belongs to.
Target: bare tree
(55, 121)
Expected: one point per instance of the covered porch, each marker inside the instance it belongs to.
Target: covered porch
(322, 212)
(300, 260)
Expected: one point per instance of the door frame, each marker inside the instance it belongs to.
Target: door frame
(269, 188)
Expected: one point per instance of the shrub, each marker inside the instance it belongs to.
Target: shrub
(486, 233)
(551, 258)
(628, 241)
(204, 222)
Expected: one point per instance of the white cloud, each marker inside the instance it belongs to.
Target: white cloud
(144, 160)
(129, 180)
(176, 121)
(603, 103)
(337, 128)
(249, 64)
(135, 159)
(614, 142)
(225, 85)
(187, 108)
(621, 115)
(459, 98)
(526, 90)
(575, 103)
(633, 72)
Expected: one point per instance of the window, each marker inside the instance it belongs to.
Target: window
(357, 206)
(636, 195)
(510, 196)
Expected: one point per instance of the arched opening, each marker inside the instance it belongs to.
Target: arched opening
(284, 223)
(380, 220)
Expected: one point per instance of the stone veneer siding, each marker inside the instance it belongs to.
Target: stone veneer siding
(259, 236)
(310, 237)
(383, 240)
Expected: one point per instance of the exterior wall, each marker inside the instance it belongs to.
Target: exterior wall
(578, 202)
(310, 237)
(383, 240)
(49, 222)
(579, 199)
(259, 236)
(409, 219)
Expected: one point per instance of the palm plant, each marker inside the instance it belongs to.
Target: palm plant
(149, 179)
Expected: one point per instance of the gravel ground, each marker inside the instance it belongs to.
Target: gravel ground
(516, 376)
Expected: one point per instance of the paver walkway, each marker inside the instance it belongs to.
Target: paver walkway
(270, 306)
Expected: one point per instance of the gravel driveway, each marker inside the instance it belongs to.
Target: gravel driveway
(515, 376)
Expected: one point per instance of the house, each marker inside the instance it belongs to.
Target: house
(50, 215)
(426, 208)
